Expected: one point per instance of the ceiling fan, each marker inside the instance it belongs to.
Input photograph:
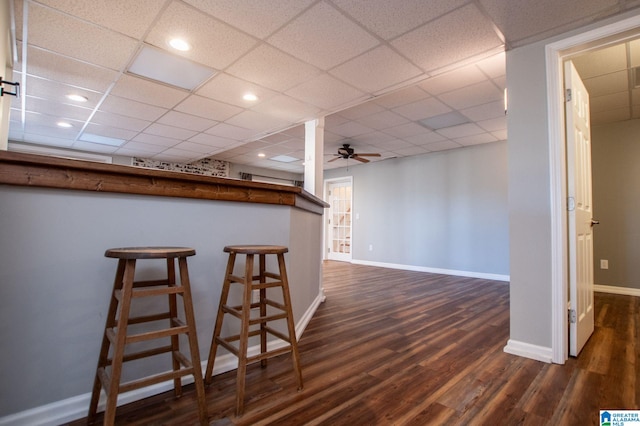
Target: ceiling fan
(347, 152)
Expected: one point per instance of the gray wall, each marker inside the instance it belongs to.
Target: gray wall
(444, 210)
(616, 202)
(55, 282)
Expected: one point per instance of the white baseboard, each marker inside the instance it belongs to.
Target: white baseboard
(626, 291)
(482, 275)
(76, 407)
(527, 350)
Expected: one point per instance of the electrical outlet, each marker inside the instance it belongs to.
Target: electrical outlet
(604, 264)
(255, 296)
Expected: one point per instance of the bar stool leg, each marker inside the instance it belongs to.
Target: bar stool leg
(121, 335)
(263, 311)
(292, 330)
(218, 327)
(173, 313)
(104, 348)
(244, 335)
(193, 341)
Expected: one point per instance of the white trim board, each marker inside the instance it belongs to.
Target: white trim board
(76, 407)
(527, 350)
(482, 275)
(625, 291)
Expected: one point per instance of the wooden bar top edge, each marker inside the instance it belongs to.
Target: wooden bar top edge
(53, 172)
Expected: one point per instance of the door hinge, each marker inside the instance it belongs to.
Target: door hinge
(572, 316)
(568, 95)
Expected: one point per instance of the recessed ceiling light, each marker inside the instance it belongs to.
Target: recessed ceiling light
(77, 98)
(64, 124)
(450, 119)
(179, 44)
(262, 154)
(250, 97)
(284, 159)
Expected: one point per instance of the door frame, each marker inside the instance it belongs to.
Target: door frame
(325, 224)
(556, 53)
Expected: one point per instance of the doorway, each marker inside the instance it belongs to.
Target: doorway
(556, 54)
(338, 222)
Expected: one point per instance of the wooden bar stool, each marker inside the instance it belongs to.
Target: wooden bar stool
(115, 337)
(268, 310)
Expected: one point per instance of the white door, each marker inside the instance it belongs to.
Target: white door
(580, 211)
(339, 220)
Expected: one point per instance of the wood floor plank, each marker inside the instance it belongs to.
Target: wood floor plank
(392, 347)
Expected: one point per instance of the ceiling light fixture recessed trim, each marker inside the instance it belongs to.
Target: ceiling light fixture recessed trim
(64, 124)
(179, 44)
(77, 98)
(250, 97)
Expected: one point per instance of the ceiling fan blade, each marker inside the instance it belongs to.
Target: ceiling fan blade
(369, 155)
(334, 159)
(362, 160)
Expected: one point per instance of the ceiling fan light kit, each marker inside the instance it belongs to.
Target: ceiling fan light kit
(346, 152)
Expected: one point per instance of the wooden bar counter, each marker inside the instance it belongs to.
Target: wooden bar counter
(57, 218)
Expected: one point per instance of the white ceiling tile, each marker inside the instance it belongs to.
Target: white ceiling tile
(109, 131)
(44, 106)
(169, 131)
(383, 120)
(459, 35)
(425, 138)
(213, 43)
(121, 121)
(213, 141)
(326, 92)
(351, 129)
(470, 96)
(59, 33)
(442, 146)
(50, 129)
(156, 140)
(607, 102)
(257, 121)
(47, 139)
(501, 135)
(389, 19)
(607, 84)
(412, 150)
(141, 147)
(318, 37)
(476, 139)
(148, 92)
(195, 147)
(519, 23)
(485, 111)
(229, 89)
(422, 109)
(610, 116)
(494, 124)
(186, 121)
(401, 97)
(94, 147)
(356, 112)
(137, 153)
(124, 16)
(287, 109)
(207, 108)
(396, 144)
(603, 61)
(272, 68)
(132, 108)
(365, 72)
(453, 80)
(373, 138)
(494, 66)
(65, 70)
(634, 53)
(178, 155)
(407, 130)
(55, 91)
(225, 130)
(259, 18)
(461, 131)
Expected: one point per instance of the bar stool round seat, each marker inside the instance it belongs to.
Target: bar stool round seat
(266, 309)
(115, 337)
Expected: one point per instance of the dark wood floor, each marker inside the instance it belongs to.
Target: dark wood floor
(393, 347)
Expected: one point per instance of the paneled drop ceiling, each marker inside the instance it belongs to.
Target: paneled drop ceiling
(401, 77)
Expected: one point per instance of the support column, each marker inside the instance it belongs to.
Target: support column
(313, 156)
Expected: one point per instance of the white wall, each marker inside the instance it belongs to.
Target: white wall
(444, 210)
(56, 282)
